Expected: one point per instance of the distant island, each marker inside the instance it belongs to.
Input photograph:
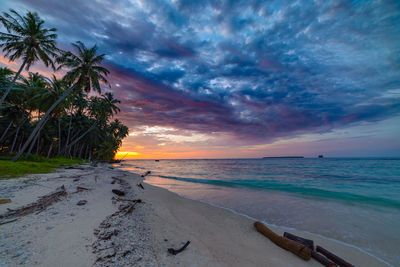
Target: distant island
(285, 157)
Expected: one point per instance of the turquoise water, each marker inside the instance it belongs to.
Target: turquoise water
(356, 201)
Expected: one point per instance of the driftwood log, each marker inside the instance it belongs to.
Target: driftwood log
(176, 251)
(306, 242)
(296, 248)
(41, 204)
(145, 174)
(81, 202)
(132, 206)
(339, 261)
(9, 221)
(118, 192)
(140, 185)
(5, 200)
(321, 259)
(310, 244)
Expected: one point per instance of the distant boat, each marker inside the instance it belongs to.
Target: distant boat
(157, 160)
(285, 157)
(320, 156)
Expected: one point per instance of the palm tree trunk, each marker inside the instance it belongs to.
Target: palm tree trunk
(59, 136)
(83, 135)
(16, 134)
(69, 129)
(80, 151)
(51, 146)
(31, 147)
(86, 152)
(42, 121)
(5, 132)
(22, 140)
(12, 83)
(38, 143)
(15, 139)
(34, 141)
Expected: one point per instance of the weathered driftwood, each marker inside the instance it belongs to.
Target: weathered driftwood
(306, 242)
(339, 261)
(145, 174)
(81, 202)
(80, 188)
(296, 248)
(176, 251)
(9, 221)
(5, 200)
(118, 192)
(321, 259)
(132, 206)
(41, 204)
(140, 185)
(122, 199)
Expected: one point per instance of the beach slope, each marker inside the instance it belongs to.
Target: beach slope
(220, 237)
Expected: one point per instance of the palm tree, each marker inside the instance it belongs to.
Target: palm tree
(5, 78)
(112, 103)
(26, 38)
(56, 89)
(5, 75)
(85, 73)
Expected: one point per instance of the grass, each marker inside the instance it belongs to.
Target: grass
(33, 164)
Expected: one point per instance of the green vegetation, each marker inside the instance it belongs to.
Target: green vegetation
(54, 116)
(10, 169)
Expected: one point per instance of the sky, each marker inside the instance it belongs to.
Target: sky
(243, 79)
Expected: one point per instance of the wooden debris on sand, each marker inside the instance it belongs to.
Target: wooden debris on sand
(310, 244)
(38, 206)
(81, 202)
(145, 174)
(118, 192)
(306, 242)
(339, 261)
(176, 251)
(5, 200)
(132, 206)
(321, 259)
(140, 185)
(9, 221)
(80, 188)
(298, 249)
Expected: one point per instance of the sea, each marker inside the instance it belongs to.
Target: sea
(353, 201)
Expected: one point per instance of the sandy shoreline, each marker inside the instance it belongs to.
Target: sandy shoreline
(64, 234)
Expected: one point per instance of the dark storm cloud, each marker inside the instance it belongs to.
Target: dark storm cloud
(254, 69)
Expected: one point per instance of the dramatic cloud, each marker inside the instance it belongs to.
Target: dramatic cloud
(253, 70)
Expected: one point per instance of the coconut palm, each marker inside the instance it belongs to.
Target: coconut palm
(5, 75)
(85, 73)
(85, 70)
(27, 39)
(112, 103)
